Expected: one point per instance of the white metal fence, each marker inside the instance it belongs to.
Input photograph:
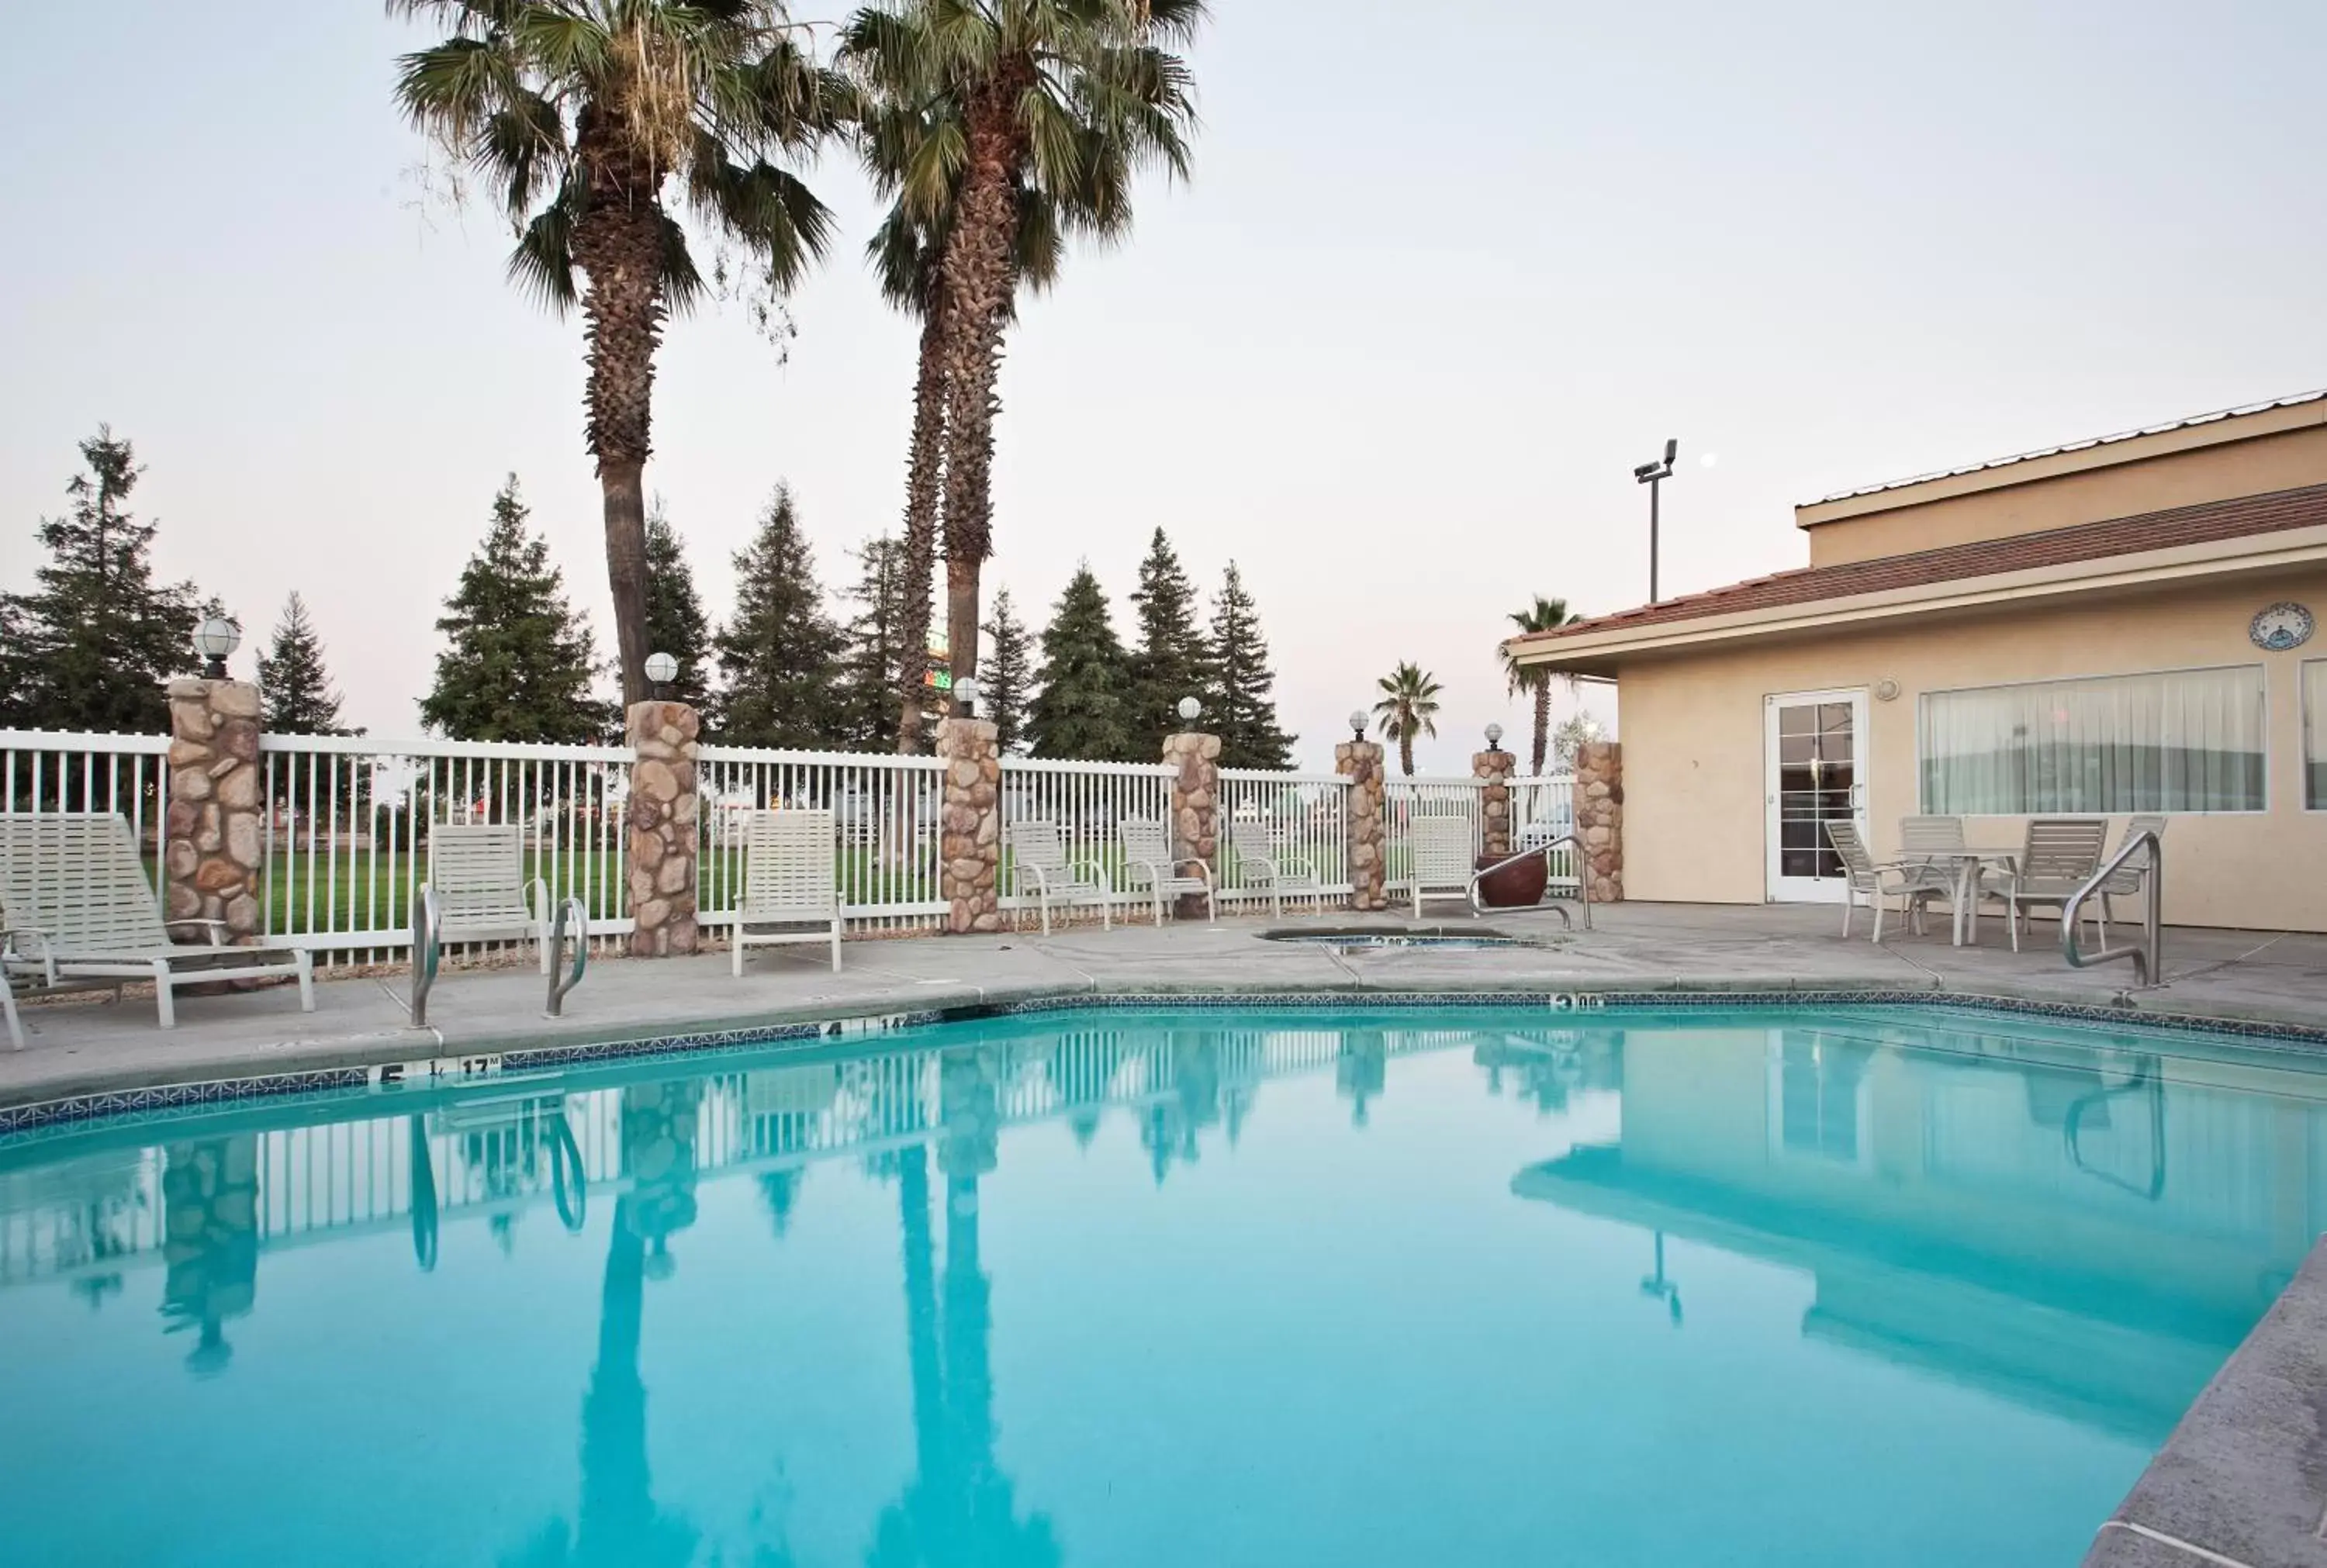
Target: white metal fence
(348, 819)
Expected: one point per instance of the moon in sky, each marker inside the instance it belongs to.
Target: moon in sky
(1709, 459)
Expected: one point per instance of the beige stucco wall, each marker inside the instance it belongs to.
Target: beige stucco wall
(2055, 493)
(1694, 782)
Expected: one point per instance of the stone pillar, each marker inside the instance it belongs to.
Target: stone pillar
(664, 818)
(214, 835)
(1195, 763)
(1360, 761)
(1600, 818)
(1494, 771)
(970, 843)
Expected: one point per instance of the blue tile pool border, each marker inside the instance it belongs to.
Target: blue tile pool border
(164, 1103)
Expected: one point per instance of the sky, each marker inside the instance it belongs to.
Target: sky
(1442, 277)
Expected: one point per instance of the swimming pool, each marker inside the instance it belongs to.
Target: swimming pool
(1212, 1287)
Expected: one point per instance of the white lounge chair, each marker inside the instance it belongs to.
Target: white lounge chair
(1038, 854)
(1148, 862)
(477, 872)
(34, 983)
(791, 881)
(2060, 855)
(1440, 851)
(1913, 882)
(2128, 878)
(74, 891)
(1273, 862)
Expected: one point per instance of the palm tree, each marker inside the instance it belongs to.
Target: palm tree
(1408, 707)
(1543, 615)
(1064, 96)
(578, 114)
(895, 129)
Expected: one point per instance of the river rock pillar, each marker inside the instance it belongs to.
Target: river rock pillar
(969, 839)
(1195, 763)
(1492, 769)
(1600, 818)
(664, 822)
(1360, 762)
(214, 835)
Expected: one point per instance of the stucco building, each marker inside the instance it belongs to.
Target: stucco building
(2118, 625)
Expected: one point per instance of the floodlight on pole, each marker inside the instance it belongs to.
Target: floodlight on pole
(1653, 475)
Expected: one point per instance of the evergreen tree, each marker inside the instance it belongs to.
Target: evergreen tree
(1084, 708)
(517, 660)
(1170, 663)
(94, 644)
(1239, 707)
(779, 656)
(675, 620)
(1006, 673)
(873, 668)
(296, 688)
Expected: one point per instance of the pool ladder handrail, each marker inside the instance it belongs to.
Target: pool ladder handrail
(572, 909)
(1583, 882)
(2148, 959)
(427, 934)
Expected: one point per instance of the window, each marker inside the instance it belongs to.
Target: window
(2315, 734)
(2187, 740)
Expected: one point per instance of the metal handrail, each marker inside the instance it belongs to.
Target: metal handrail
(560, 984)
(1583, 882)
(427, 940)
(2148, 960)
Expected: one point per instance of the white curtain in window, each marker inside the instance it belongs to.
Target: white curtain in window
(2177, 741)
(2314, 734)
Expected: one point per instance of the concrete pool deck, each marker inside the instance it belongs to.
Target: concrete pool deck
(84, 1046)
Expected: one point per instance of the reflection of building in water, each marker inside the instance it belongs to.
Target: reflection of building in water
(2153, 1210)
(210, 1204)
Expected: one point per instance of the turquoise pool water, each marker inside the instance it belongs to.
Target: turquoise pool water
(1403, 1287)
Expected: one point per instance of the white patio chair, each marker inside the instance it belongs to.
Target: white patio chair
(791, 880)
(73, 890)
(477, 872)
(1038, 853)
(1913, 882)
(33, 983)
(1924, 837)
(1273, 862)
(1440, 851)
(1148, 861)
(2128, 878)
(2060, 855)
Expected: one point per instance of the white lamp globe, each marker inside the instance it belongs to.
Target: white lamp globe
(661, 668)
(1190, 709)
(214, 639)
(1495, 736)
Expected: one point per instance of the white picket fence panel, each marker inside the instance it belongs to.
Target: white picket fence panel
(1303, 817)
(1090, 801)
(1543, 809)
(76, 771)
(885, 811)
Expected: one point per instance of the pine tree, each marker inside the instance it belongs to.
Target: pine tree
(94, 644)
(292, 679)
(1169, 664)
(517, 662)
(1238, 706)
(779, 656)
(1004, 673)
(873, 668)
(675, 624)
(1084, 708)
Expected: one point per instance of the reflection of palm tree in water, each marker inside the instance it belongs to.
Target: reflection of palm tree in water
(958, 1511)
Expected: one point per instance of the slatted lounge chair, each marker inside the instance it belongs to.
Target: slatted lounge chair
(1440, 851)
(2060, 855)
(792, 884)
(74, 891)
(1038, 855)
(1913, 882)
(1267, 857)
(35, 982)
(477, 872)
(2127, 880)
(1148, 862)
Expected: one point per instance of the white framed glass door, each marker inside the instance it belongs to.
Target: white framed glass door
(1815, 768)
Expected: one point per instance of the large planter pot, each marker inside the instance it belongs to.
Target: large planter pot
(1515, 887)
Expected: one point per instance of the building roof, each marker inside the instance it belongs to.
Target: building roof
(2191, 525)
(2194, 420)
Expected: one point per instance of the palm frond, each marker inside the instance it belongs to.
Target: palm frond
(542, 264)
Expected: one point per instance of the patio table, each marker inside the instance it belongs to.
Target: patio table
(1969, 862)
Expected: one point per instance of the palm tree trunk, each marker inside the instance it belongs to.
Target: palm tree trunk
(618, 244)
(1405, 751)
(979, 275)
(1542, 725)
(923, 472)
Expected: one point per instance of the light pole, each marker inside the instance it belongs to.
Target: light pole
(1653, 475)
